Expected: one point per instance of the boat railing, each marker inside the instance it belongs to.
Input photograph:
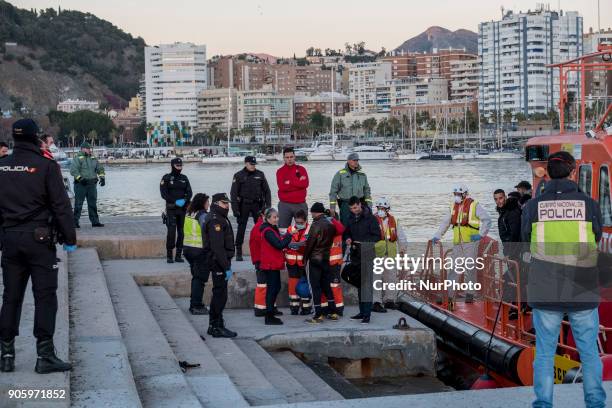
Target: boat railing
(502, 288)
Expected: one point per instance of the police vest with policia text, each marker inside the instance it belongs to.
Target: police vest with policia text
(562, 234)
(464, 221)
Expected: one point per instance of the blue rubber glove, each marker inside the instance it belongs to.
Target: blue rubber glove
(70, 248)
(180, 202)
(435, 240)
(475, 238)
(228, 274)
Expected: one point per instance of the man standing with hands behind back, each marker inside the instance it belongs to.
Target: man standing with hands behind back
(292, 181)
(87, 172)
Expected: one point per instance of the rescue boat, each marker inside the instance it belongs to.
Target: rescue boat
(482, 332)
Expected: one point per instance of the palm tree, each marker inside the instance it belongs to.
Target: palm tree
(266, 126)
(369, 125)
(92, 136)
(340, 126)
(279, 126)
(73, 135)
(395, 125)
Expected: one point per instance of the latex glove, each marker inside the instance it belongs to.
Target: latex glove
(294, 245)
(435, 240)
(180, 202)
(228, 274)
(70, 248)
(102, 182)
(475, 238)
(82, 181)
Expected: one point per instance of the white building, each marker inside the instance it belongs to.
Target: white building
(464, 79)
(74, 105)
(219, 108)
(257, 106)
(175, 74)
(599, 83)
(409, 91)
(514, 53)
(363, 80)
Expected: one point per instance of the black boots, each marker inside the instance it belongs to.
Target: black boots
(217, 329)
(47, 361)
(7, 356)
(169, 257)
(239, 253)
(198, 310)
(272, 320)
(179, 254)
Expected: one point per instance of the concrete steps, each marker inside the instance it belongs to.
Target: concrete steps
(159, 380)
(249, 379)
(96, 345)
(274, 372)
(24, 377)
(309, 380)
(210, 382)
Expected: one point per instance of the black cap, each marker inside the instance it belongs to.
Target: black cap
(220, 197)
(176, 160)
(317, 208)
(524, 184)
(514, 194)
(250, 159)
(25, 129)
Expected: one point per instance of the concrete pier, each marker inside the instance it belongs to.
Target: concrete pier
(123, 321)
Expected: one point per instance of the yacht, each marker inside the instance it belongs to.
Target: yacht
(322, 152)
(234, 156)
(366, 152)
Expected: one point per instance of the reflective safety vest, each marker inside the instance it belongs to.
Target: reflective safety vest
(562, 235)
(335, 252)
(193, 232)
(387, 246)
(464, 221)
(294, 256)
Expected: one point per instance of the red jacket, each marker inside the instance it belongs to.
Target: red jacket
(338, 225)
(255, 241)
(272, 258)
(292, 184)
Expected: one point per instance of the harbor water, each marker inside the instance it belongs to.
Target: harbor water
(419, 191)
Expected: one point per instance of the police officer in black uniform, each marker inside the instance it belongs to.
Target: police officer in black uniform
(33, 204)
(218, 238)
(176, 190)
(250, 195)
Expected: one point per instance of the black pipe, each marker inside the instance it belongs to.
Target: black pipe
(467, 339)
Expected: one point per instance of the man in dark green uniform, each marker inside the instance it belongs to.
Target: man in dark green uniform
(351, 181)
(87, 172)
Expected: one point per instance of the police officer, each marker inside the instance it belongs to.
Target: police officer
(563, 226)
(87, 171)
(250, 195)
(348, 182)
(33, 199)
(219, 242)
(176, 190)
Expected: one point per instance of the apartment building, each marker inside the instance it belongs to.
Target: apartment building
(175, 74)
(257, 106)
(464, 78)
(410, 91)
(402, 66)
(305, 105)
(446, 109)
(364, 78)
(218, 108)
(514, 52)
(598, 84)
(74, 105)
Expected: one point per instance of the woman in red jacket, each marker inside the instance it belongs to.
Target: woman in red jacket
(272, 260)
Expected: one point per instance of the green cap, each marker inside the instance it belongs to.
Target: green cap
(85, 145)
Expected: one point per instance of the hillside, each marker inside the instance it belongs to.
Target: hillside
(439, 37)
(65, 54)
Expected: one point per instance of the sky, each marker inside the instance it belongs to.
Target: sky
(285, 27)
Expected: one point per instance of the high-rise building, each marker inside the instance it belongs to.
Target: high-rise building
(364, 78)
(175, 74)
(437, 64)
(260, 106)
(464, 79)
(514, 52)
(219, 108)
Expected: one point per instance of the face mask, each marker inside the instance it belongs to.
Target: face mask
(458, 199)
(300, 226)
(382, 213)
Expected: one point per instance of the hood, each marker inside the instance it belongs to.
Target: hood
(215, 208)
(512, 203)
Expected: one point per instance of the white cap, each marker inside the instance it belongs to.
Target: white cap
(382, 202)
(460, 188)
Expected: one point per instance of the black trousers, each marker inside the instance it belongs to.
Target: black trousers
(87, 192)
(176, 219)
(219, 294)
(246, 210)
(22, 258)
(320, 276)
(273, 283)
(198, 264)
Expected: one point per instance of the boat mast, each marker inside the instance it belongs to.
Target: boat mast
(229, 113)
(333, 123)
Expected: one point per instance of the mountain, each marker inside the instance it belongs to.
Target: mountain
(439, 37)
(49, 55)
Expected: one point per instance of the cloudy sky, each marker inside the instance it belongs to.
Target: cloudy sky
(285, 27)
